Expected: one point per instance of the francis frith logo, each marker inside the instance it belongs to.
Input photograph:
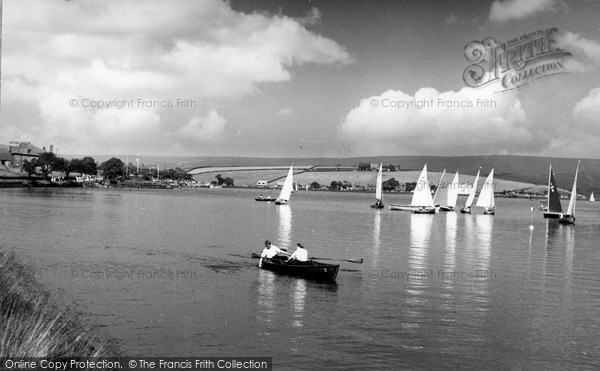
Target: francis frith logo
(516, 62)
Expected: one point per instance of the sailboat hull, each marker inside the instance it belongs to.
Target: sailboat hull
(567, 219)
(403, 207)
(489, 210)
(424, 210)
(465, 210)
(552, 215)
(377, 206)
(446, 208)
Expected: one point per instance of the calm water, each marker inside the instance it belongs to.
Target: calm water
(168, 273)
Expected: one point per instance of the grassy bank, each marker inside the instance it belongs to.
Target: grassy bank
(32, 325)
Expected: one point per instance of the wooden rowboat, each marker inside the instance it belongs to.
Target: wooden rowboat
(310, 269)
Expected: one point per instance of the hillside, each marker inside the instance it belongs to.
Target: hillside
(524, 169)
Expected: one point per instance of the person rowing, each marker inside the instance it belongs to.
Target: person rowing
(270, 251)
(300, 254)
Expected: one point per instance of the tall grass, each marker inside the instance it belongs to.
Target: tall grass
(32, 325)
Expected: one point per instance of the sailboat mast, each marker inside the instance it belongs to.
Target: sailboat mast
(549, 185)
(574, 195)
(438, 186)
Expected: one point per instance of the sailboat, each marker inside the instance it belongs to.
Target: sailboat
(592, 199)
(437, 191)
(467, 208)
(452, 196)
(286, 190)
(569, 217)
(554, 208)
(486, 196)
(379, 189)
(422, 202)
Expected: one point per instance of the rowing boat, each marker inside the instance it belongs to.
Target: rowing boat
(310, 269)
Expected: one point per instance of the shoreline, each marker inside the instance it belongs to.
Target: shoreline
(34, 325)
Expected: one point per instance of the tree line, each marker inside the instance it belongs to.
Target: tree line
(113, 169)
(48, 162)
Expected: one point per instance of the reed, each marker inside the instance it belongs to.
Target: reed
(32, 325)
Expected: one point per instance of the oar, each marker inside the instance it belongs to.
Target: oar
(357, 261)
(257, 256)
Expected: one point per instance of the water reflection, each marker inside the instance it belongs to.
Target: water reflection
(551, 232)
(420, 230)
(420, 239)
(451, 228)
(469, 231)
(298, 298)
(376, 236)
(285, 226)
(266, 303)
(483, 227)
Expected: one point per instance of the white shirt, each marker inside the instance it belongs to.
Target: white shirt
(300, 255)
(269, 253)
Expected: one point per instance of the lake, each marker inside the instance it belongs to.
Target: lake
(169, 273)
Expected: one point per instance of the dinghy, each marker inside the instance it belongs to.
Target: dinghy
(486, 196)
(379, 189)
(422, 201)
(286, 190)
(569, 217)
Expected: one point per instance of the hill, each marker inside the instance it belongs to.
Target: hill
(523, 169)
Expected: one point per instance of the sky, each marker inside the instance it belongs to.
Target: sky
(294, 78)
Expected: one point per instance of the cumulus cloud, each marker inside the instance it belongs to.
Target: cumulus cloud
(469, 121)
(587, 112)
(586, 52)
(311, 18)
(204, 128)
(503, 11)
(55, 51)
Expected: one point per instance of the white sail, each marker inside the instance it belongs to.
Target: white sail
(573, 200)
(439, 186)
(286, 190)
(379, 187)
(453, 191)
(471, 197)
(486, 196)
(422, 192)
(592, 199)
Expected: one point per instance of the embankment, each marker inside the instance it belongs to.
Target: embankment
(33, 325)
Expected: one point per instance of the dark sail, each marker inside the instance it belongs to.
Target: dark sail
(554, 196)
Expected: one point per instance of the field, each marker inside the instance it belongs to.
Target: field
(357, 178)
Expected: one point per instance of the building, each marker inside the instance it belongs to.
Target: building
(364, 166)
(20, 151)
(5, 157)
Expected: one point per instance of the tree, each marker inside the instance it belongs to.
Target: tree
(315, 185)
(48, 162)
(228, 182)
(112, 168)
(390, 184)
(62, 164)
(335, 185)
(30, 167)
(88, 166)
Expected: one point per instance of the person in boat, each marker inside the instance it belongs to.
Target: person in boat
(269, 252)
(300, 254)
(378, 203)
